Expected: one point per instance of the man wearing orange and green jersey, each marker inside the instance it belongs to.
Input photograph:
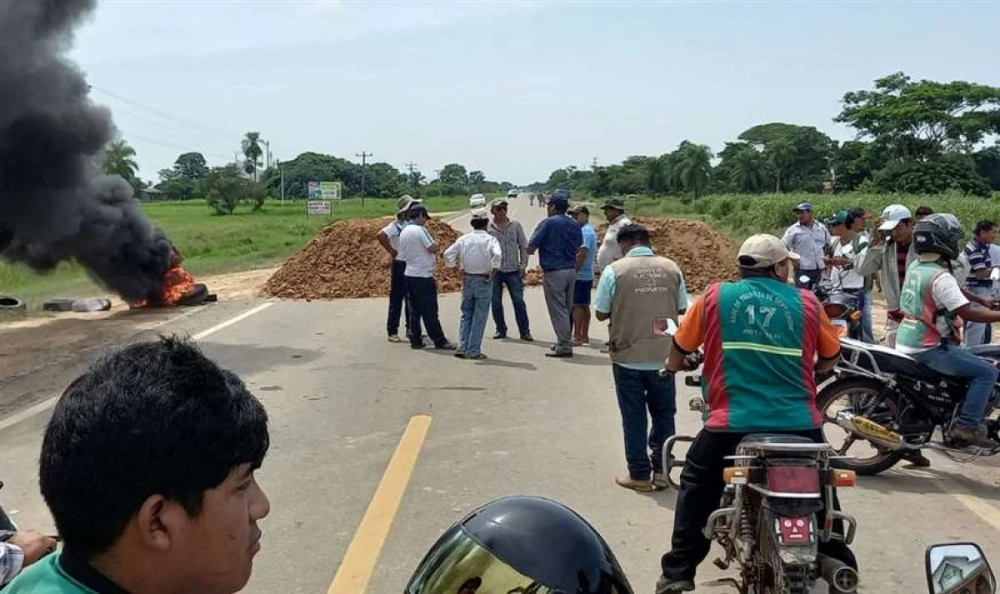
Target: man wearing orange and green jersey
(764, 341)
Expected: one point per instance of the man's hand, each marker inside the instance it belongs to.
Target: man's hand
(393, 253)
(878, 237)
(34, 544)
(524, 274)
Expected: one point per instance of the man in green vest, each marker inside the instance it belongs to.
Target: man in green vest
(147, 466)
(764, 341)
(639, 294)
(931, 301)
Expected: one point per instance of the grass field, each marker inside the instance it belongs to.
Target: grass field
(214, 244)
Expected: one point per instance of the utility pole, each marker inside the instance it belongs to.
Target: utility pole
(281, 172)
(267, 154)
(593, 164)
(364, 164)
(437, 172)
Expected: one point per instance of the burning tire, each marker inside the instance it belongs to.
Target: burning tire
(8, 303)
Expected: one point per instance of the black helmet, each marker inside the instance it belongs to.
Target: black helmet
(938, 234)
(520, 545)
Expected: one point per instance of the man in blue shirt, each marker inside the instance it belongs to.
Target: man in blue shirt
(585, 259)
(557, 240)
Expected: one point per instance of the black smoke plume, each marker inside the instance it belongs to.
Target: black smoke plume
(55, 204)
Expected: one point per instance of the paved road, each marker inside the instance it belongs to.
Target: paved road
(340, 398)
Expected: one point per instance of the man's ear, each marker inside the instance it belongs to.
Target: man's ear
(160, 522)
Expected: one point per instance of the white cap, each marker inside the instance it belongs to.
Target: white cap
(892, 215)
(763, 250)
(480, 214)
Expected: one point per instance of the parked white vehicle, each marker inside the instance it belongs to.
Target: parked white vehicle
(513, 193)
(477, 201)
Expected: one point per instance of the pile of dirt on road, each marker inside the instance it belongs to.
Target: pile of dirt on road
(346, 260)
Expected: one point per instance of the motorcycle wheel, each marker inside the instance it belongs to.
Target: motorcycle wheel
(862, 386)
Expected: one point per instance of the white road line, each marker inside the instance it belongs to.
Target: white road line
(986, 511)
(45, 405)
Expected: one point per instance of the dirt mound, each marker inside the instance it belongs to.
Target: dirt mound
(346, 260)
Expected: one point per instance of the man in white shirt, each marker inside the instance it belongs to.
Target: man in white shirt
(417, 248)
(808, 238)
(480, 256)
(609, 251)
(388, 237)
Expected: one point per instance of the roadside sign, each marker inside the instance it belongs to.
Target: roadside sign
(331, 190)
(319, 207)
(314, 191)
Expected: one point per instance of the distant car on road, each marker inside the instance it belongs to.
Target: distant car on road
(477, 201)
(513, 193)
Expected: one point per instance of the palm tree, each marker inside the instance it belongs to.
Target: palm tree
(252, 150)
(780, 154)
(119, 159)
(748, 170)
(695, 168)
(657, 174)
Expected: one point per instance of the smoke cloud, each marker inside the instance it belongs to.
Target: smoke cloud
(55, 204)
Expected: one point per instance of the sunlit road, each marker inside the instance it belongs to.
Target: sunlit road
(340, 398)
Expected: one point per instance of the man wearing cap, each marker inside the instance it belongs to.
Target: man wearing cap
(514, 245)
(889, 255)
(614, 212)
(418, 248)
(388, 238)
(807, 238)
(558, 239)
(641, 294)
(585, 259)
(764, 341)
(480, 255)
(843, 274)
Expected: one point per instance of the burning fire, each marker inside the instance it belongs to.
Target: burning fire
(177, 283)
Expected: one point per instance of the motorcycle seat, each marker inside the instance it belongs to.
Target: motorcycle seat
(889, 360)
(775, 438)
(771, 444)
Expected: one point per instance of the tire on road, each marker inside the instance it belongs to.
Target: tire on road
(834, 390)
(8, 303)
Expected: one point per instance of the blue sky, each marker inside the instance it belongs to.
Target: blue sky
(515, 88)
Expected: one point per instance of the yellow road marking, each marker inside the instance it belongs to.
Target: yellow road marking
(356, 568)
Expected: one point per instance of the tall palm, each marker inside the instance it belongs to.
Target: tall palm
(252, 150)
(749, 171)
(780, 154)
(119, 159)
(695, 168)
(657, 174)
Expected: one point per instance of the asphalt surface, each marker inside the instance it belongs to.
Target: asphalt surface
(340, 397)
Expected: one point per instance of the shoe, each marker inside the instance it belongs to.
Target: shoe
(395, 338)
(446, 346)
(478, 357)
(527, 338)
(971, 436)
(665, 586)
(461, 354)
(417, 346)
(499, 335)
(581, 343)
(630, 483)
(560, 354)
(916, 459)
(660, 481)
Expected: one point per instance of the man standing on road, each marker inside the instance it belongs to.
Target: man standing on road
(843, 273)
(859, 243)
(514, 245)
(584, 276)
(558, 239)
(639, 294)
(480, 255)
(417, 248)
(614, 212)
(978, 281)
(807, 238)
(388, 237)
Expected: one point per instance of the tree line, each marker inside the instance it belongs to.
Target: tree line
(915, 137)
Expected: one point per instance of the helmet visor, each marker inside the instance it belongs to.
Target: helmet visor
(459, 565)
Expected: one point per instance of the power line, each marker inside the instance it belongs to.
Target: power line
(163, 114)
(169, 144)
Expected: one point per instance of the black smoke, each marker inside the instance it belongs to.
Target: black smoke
(55, 204)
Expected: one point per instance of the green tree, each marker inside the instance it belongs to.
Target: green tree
(694, 171)
(119, 159)
(191, 166)
(749, 170)
(988, 165)
(780, 154)
(252, 151)
(454, 179)
(658, 175)
(223, 189)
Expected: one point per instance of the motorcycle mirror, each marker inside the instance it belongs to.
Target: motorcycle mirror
(805, 280)
(995, 274)
(958, 567)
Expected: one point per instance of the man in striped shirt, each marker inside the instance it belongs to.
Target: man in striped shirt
(978, 281)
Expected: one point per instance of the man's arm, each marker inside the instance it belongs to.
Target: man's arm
(689, 336)
(383, 240)
(428, 242)
(496, 254)
(11, 562)
(522, 246)
(541, 231)
(605, 294)
(451, 254)
(581, 256)
(828, 349)
(871, 260)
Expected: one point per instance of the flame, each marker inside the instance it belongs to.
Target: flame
(177, 282)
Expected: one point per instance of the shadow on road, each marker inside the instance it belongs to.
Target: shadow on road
(246, 359)
(916, 481)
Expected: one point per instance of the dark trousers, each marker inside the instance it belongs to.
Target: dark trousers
(397, 299)
(640, 391)
(701, 490)
(814, 278)
(422, 293)
(515, 286)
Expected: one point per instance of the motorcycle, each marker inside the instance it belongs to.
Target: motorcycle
(896, 404)
(841, 307)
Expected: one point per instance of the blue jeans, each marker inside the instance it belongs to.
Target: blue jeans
(977, 333)
(639, 391)
(867, 333)
(477, 291)
(959, 362)
(514, 284)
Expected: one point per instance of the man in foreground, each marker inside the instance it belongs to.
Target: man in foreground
(388, 238)
(514, 245)
(479, 253)
(639, 294)
(585, 258)
(418, 249)
(764, 341)
(147, 466)
(808, 238)
(558, 239)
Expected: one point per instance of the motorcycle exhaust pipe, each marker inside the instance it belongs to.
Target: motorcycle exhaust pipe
(842, 578)
(870, 430)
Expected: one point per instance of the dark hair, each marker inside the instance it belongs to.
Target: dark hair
(923, 211)
(152, 418)
(559, 207)
(634, 232)
(748, 272)
(480, 224)
(984, 225)
(856, 213)
(416, 211)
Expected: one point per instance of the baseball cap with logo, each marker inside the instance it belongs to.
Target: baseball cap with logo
(480, 214)
(841, 217)
(892, 215)
(763, 250)
(404, 203)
